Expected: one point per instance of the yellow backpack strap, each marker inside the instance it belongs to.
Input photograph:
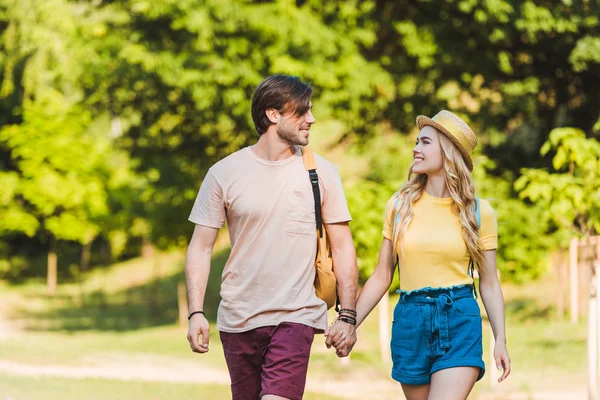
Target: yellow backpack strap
(308, 158)
(311, 166)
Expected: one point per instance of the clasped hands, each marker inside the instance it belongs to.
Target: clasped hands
(342, 336)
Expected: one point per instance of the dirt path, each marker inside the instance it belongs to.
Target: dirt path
(125, 371)
(160, 369)
(6, 328)
(154, 368)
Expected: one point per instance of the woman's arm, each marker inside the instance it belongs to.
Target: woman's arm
(493, 301)
(378, 283)
(371, 293)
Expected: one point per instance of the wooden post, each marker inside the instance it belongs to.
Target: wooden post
(573, 280)
(384, 327)
(585, 271)
(559, 266)
(592, 345)
(595, 285)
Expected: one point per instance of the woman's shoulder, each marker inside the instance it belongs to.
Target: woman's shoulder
(486, 208)
(393, 200)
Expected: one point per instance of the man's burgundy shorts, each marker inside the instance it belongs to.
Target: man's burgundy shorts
(268, 360)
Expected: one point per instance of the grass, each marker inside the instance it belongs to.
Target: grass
(125, 316)
(51, 388)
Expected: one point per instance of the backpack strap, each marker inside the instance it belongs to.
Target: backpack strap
(477, 212)
(396, 219)
(311, 166)
(471, 270)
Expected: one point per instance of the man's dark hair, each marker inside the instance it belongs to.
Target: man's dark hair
(283, 93)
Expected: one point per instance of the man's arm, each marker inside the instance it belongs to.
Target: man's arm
(346, 273)
(197, 269)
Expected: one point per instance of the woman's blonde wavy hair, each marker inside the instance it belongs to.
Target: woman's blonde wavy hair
(460, 185)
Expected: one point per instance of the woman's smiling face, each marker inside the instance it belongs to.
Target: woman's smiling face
(427, 153)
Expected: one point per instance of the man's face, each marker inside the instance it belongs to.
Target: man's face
(293, 129)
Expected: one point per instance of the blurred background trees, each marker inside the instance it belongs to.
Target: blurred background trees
(111, 112)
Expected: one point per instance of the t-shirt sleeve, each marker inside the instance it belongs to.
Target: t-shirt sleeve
(388, 220)
(488, 232)
(209, 208)
(334, 206)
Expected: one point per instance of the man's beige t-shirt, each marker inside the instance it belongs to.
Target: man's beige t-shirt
(269, 209)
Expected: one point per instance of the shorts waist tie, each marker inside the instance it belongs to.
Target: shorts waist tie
(440, 320)
(442, 304)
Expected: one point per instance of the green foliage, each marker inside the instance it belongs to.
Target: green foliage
(519, 68)
(54, 176)
(367, 201)
(111, 112)
(388, 157)
(57, 185)
(524, 242)
(586, 52)
(180, 76)
(570, 192)
(60, 169)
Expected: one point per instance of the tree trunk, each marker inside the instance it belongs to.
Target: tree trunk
(52, 265)
(147, 249)
(155, 286)
(84, 265)
(86, 255)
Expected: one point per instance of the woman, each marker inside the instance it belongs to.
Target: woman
(435, 232)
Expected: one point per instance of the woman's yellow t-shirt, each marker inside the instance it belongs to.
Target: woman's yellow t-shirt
(435, 254)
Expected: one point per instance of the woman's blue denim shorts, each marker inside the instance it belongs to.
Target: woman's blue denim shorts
(435, 329)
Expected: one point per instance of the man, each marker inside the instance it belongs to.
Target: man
(269, 311)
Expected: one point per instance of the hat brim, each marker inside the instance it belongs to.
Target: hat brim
(423, 120)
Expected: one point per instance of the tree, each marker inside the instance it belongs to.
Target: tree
(516, 69)
(569, 194)
(57, 167)
(180, 76)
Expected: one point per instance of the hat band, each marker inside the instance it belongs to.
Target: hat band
(454, 129)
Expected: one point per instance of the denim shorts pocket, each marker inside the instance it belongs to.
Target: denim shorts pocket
(467, 307)
(409, 331)
(398, 311)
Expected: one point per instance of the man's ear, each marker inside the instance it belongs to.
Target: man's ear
(273, 115)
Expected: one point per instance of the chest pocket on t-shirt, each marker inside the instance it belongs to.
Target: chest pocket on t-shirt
(301, 212)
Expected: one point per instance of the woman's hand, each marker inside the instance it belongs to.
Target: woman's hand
(502, 359)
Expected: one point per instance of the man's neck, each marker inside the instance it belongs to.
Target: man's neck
(270, 147)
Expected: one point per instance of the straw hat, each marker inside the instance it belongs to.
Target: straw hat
(455, 129)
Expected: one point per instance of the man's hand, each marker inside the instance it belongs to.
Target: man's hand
(342, 336)
(198, 327)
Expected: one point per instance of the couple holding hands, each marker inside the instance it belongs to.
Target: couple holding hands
(435, 229)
